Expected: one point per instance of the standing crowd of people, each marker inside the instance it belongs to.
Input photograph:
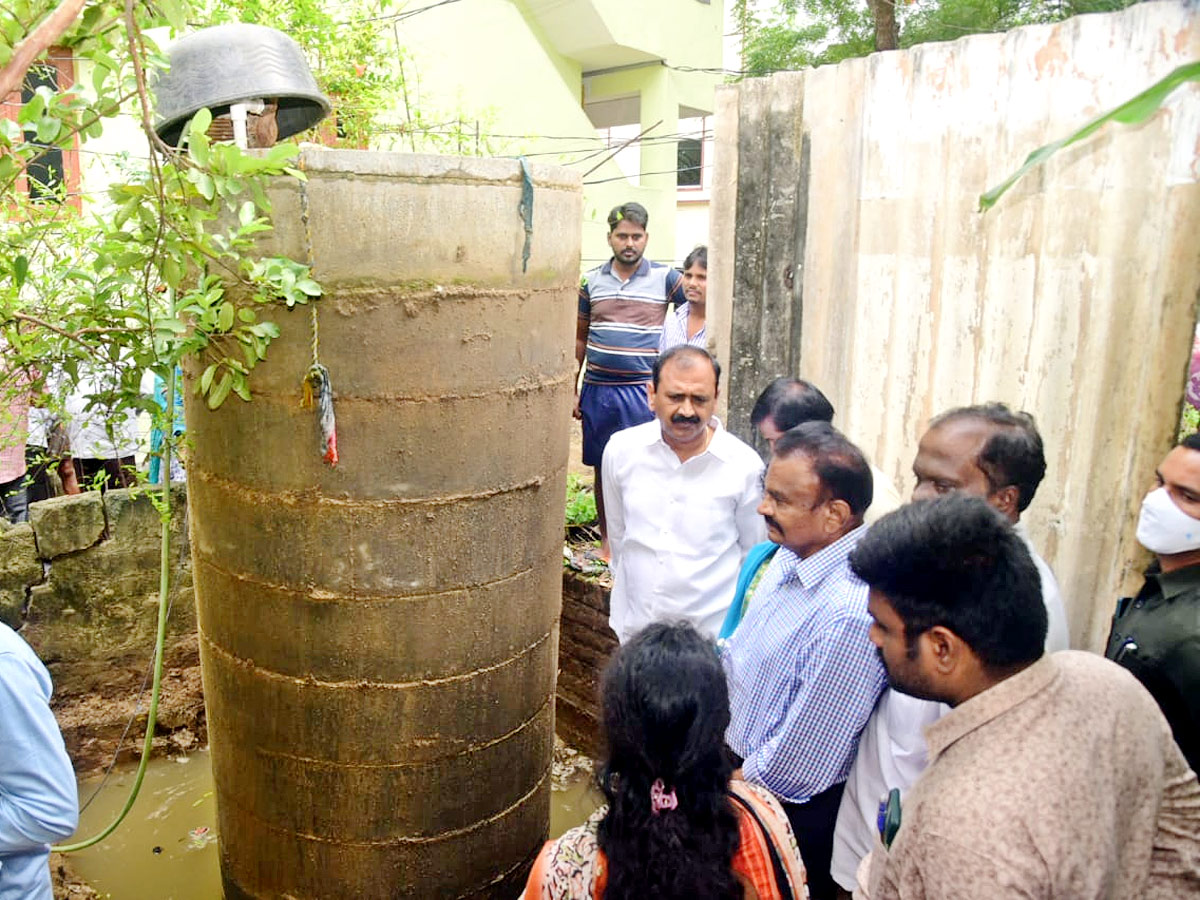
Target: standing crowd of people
(821, 690)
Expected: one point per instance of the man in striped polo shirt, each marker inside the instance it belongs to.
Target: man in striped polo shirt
(622, 306)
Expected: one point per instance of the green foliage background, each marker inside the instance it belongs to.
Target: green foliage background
(794, 34)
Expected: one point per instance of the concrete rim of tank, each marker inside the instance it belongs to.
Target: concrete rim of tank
(431, 168)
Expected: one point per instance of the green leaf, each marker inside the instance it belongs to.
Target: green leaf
(201, 122)
(33, 110)
(308, 286)
(245, 314)
(246, 213)
(172, 270)
(47, 129)
(242, 388)
(99, 74)
(220, 391)
(174, 12)
(1133, 111)
(204, 184)
(91, 18)
(225, 316)
(198, 148)
(171, 326)
(20, 270)
(207, 377)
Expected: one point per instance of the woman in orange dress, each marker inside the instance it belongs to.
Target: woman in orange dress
(674, 826)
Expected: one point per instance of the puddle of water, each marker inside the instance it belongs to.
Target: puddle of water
(175, 812)
(166, 849)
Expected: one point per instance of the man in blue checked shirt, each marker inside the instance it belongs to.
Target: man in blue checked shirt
(803, 674)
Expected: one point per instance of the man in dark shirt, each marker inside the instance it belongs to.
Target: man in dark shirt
(1156, 635)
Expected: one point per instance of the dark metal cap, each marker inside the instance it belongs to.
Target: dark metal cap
(216, 67)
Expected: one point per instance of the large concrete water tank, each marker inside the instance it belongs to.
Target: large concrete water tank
(379, 639)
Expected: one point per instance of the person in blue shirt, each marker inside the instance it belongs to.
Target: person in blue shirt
(38, 798)
(803, 675)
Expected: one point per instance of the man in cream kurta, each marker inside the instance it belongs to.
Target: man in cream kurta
(681, 495)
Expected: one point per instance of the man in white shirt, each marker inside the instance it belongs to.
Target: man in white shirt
(681, 494)
(987, 451)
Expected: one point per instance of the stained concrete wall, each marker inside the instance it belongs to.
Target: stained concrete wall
(846, 197)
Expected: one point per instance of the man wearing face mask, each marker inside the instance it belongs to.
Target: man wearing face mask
(1156, 635)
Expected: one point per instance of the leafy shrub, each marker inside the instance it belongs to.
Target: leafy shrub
(581, 501)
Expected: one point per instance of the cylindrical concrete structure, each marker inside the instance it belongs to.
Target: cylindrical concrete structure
(379, 639)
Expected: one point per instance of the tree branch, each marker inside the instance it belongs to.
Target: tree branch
(43, 38)
(76, 336)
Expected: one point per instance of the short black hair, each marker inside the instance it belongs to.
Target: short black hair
(634, 212)
(699, 255)
(955, 561)
(685, 350)
(841, 467)
(789, 402)
(1013, 454)
(1192, 441)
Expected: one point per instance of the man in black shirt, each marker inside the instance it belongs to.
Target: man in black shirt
(1156, 635)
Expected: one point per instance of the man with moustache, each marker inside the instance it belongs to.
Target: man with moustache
(1156, 635)
(986, 451)
(622, 307)
(803, 676)
(682, 499)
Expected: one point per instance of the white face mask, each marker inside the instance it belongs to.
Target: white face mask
(1165, 528)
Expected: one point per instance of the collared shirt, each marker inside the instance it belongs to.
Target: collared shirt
(803, 675)
(891, 753)
(38, 798)
(1156, 636)
(1060, 781)
(675, 330)
(625, 320)
(678, 530)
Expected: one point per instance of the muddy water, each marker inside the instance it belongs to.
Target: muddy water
(166, 848)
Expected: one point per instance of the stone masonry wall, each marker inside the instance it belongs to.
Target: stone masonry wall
(80, 583)
(81, 577)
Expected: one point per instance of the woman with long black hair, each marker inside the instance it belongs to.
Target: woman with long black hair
(675, 826)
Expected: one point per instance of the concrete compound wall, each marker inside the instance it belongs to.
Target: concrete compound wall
(80, 579)
(845, 227)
